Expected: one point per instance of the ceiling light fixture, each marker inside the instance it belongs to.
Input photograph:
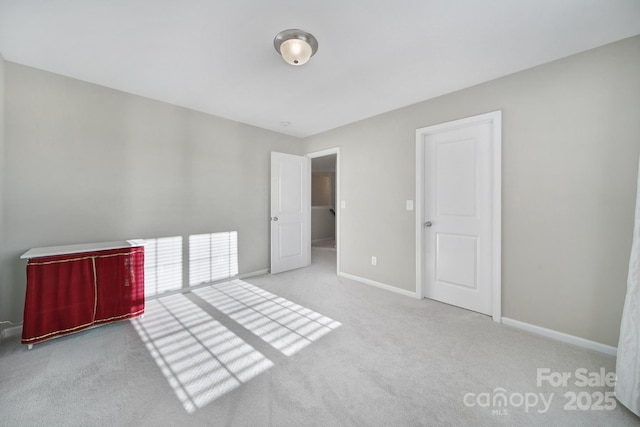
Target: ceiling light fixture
(295, 46)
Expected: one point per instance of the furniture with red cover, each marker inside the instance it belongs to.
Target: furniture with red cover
(74, 287)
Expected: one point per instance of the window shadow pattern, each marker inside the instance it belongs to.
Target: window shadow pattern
(200, 358)
(283, 324)
(212, 256)
(162, 265)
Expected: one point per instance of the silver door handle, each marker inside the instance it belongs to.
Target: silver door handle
(275, 218)
(428, 224)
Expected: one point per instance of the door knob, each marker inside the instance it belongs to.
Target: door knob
(275, 218)
(428, 224)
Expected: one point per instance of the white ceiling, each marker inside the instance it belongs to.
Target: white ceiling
(217, 56)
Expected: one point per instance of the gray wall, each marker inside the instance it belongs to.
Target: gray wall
(85, 163)
(571, 141)
(323, 224)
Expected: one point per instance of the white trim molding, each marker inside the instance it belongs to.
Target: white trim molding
(561, 336)
(17, 330)
(324, 239)
(380, 285)
(251, 274)
(11, 331)
(495, 118)
(204, 285)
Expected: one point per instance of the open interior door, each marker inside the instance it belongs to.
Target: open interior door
(290, 212)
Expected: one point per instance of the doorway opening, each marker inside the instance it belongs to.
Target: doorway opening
(325, 185)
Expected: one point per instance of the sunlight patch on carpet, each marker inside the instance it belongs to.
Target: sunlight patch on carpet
(200, 358)
(283, 324)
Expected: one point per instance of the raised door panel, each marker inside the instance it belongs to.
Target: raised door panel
(290, 212)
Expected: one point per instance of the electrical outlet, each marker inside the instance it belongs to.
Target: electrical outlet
(374, 260)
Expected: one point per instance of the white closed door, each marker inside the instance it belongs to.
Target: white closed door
(458, 216)
(290, 212)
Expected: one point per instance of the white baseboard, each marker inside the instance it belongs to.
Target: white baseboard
(324, 239)
(379, 285)
(252, 274)
(204, 285)
(11, 331)
(561, 336)
(17, 330)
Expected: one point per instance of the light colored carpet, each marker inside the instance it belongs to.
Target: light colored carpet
(299, 348)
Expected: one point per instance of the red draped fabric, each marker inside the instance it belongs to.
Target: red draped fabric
(60, 297)
(68, 293)
(120, 284)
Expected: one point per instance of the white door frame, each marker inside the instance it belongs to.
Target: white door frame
(328, 152)
(495, 118)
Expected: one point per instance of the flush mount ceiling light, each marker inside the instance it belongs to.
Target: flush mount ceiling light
(295, 46)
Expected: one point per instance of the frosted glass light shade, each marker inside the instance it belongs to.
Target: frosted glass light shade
(295, 46)
(295, 51)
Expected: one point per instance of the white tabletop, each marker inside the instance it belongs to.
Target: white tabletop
(84, 247)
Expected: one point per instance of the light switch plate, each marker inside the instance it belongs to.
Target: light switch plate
(343, 204)
(409, 205)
